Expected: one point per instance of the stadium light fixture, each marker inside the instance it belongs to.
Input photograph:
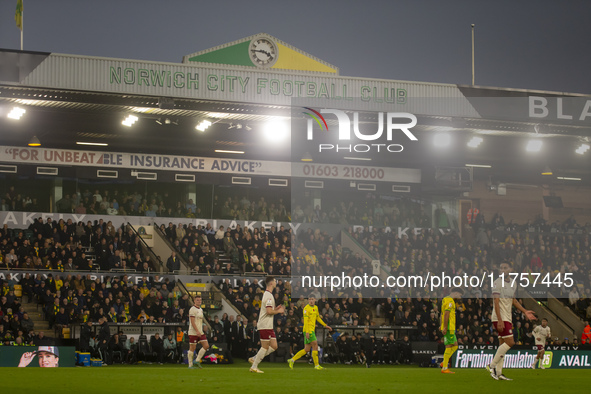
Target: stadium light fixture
(474, 142)
(582, 149)
(275, 130)
(92, 143)
(130, 120)
(547, 170)
(564, 178)
(357, 158)
(534, 146)
(203, 125)
(442, 140)
(479, 165)
(34, 141)
(307, 157)
(16, 113)
(239, 152)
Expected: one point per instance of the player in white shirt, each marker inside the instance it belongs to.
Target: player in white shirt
(265, 325)
(541, 333)
(196, 333)
(503, 300)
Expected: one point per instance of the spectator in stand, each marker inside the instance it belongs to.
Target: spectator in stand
(62, 320)
(573, 296)
(27, 324)
(536, 263)
(173, 263)
(219, 237)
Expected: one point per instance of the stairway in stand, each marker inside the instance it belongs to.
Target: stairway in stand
(36, 314)
(224, 259)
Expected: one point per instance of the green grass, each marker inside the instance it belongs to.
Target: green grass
(279, 379)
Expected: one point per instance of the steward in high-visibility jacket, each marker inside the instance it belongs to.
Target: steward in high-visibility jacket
(586, 336)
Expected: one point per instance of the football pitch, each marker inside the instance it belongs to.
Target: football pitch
(279, 379)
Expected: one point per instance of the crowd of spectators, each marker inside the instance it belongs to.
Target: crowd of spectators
(269, 252)
(133, 203)
(14, 201)
(371, 210)
(128, 200)
(240, 207)
(68, 246)
(74, 300)
(246, 251)
(538, 225)
(16, 327)
(535, 247)
(77, 299)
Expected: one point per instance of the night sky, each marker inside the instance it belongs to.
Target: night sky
(540, 45)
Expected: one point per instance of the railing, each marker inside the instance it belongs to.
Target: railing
(224, 298)
(347, 241)
(171, 247)
(565, 314)
(559, 327)
(147, 249)
(185, 291)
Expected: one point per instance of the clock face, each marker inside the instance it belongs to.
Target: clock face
(263, 52)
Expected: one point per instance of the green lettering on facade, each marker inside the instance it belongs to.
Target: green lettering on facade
(275, 86)
(261, 84)
(115, 75)
(231, 80)
(129, 76)
(311, 89)
(143, 75)
(323, 91)
(365, 93)
(193, 80)
(212, 82)
(299, 88)
(287, 88)
(401, 96)
(179, 80)
(158, 77)
(243, 83)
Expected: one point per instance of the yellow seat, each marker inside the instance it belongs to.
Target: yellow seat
(18, 291)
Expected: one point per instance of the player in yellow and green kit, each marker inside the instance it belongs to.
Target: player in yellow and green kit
(448, 326)
(311, 315)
